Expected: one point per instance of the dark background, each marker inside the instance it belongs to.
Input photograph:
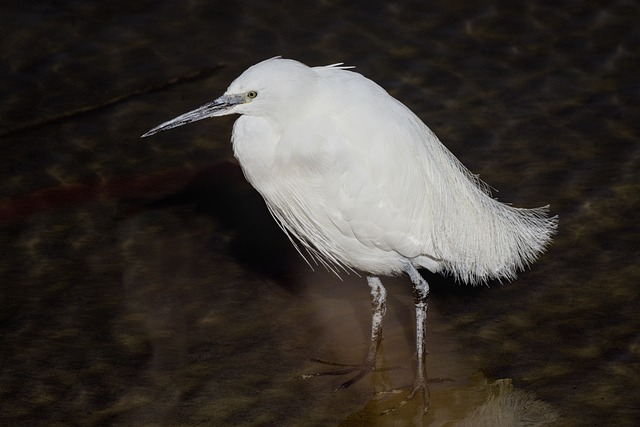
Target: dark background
(144, 283)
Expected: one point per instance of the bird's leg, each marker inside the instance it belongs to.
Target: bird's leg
(378, 309)
(421, 299)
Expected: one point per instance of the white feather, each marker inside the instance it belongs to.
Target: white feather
(366, 185)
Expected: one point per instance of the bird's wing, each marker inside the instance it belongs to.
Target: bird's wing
(381, 186)
(397, 188)
(361, 178)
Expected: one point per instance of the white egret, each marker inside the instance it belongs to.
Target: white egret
(363, 184)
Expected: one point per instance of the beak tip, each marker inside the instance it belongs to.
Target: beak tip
(155, 130)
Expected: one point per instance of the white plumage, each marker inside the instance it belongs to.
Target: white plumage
(363, 184)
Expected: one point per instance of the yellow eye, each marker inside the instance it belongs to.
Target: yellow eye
(252, 94)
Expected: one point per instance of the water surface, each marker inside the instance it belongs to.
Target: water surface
(144, 283)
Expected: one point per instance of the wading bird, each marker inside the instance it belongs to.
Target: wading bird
(361, 183)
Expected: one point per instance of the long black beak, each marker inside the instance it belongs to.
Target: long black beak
(219, 107)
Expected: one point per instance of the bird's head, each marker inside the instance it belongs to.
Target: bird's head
(273, 88)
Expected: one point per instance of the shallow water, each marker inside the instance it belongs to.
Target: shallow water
(144, 283)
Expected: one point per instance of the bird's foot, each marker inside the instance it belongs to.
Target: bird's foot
(421, 388)
(362, 371)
